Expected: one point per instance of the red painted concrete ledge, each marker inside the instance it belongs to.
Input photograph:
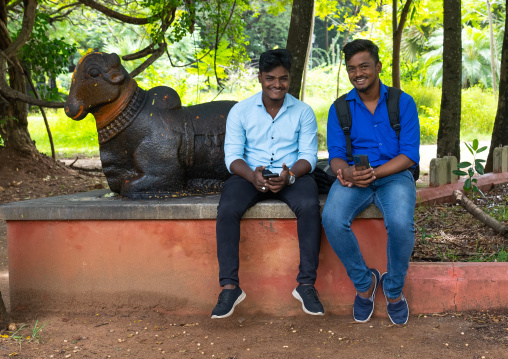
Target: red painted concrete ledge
(444, 194)
(60, 261)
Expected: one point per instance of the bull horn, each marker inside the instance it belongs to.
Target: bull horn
(117, 73)
(113, 61)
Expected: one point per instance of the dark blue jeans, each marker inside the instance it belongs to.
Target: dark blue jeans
(238, 195)
(395, 196)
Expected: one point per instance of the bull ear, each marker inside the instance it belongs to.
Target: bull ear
(116, 75)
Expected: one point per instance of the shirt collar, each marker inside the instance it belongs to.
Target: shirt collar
(288, 101)
(353, 94)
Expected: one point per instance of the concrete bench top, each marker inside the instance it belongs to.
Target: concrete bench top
(96, 206)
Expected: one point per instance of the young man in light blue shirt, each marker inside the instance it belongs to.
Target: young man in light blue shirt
(273, 131)
(388, 183)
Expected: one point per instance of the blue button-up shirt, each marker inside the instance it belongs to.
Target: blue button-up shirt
(372, 135)
(253, 136)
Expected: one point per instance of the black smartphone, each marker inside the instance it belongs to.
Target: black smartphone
(361, 162)
(269, 174)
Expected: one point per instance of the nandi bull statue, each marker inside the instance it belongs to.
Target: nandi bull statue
(149, 143)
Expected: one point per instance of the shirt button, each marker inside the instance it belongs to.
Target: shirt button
(271, 159)
(375, 125)
(272, 138)
(380, 144)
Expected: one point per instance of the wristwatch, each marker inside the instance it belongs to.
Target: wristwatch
(292, 178)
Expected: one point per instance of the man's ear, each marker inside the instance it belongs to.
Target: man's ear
(379, 67)
(259, 77)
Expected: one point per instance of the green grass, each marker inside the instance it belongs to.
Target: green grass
(71, 138)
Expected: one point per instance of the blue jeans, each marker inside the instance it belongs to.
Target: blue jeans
(395, 196)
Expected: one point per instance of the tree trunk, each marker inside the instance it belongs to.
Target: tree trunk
(492, 50)
(13, 114)
(448, 137)
(298, 40)
(306, 65)
(397, 39)
(500, 130)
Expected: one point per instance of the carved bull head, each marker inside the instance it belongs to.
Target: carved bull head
(98, 80)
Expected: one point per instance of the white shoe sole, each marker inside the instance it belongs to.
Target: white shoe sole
(237, 301)
(297, 296)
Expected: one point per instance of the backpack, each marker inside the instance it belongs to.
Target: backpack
(345, 121)
(323, 175)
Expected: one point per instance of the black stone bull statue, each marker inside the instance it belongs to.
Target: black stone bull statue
(149, 143)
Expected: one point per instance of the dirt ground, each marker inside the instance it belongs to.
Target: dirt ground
(153, 334)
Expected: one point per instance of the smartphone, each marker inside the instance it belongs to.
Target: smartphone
(361, 162)
(269, 174)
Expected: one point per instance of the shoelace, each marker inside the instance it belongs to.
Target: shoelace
(312, 292)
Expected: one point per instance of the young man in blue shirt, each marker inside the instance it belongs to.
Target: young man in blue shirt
(388, 183)
(275, 131)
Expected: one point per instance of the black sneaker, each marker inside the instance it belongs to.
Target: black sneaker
(228, 300)
(308, 295)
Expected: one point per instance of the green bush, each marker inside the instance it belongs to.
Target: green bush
(479, 109)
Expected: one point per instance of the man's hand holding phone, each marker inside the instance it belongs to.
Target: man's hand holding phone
(276, 182)
(361, 174)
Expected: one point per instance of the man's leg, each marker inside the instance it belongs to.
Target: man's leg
(396, 198)
(237, 196)
(342, 206)
(303, 199)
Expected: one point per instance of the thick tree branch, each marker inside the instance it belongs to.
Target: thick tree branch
(116, 15)
(26, 29)
(13, 95)
(479, 214)
(74, 4)
(156, 54)
(150, 49)
(403, 17)
(5, 37)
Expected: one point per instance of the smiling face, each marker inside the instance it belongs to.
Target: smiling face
(275, 85)
(363, 72)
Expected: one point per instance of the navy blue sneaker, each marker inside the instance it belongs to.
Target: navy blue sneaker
(364, 307)
(398, 311)
(308, 295)
(228, 300)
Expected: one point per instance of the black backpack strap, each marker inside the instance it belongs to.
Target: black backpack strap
(393, 108)
(345, 121)
(394, 116)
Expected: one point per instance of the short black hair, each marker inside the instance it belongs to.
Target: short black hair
(274, 58)
(360, 45)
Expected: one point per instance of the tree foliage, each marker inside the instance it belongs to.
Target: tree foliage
(33, 42)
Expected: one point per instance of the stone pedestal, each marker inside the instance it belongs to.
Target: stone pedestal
(80, 252)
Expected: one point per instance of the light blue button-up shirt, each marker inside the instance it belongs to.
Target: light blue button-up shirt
(253, 136)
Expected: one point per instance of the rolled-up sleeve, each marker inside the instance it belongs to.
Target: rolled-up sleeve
(307, 140)
(234, 142)
(409, 139)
